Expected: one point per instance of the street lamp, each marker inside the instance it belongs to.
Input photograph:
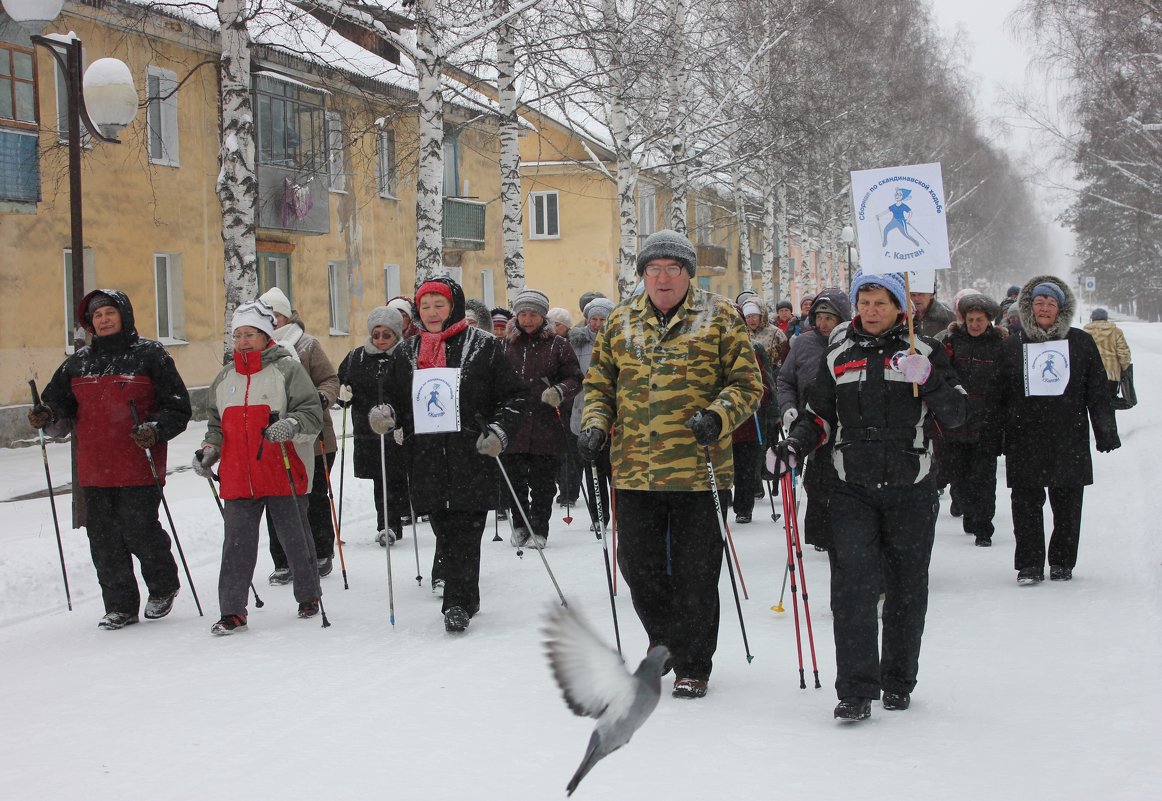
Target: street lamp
(848, 237)
(104, 101)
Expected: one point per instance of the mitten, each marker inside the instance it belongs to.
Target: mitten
(344, 399)
(145, 435)
(282, 430)
(913, 366)
(489, 443)
(204, 459)
(381, 418)
(40, 415)
(789, 417)
(553, 396)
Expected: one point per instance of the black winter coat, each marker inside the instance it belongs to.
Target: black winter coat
(544, 355)
(863, 406)
(1046, 439)
(975, 360)
(365, 372)
(446, 471)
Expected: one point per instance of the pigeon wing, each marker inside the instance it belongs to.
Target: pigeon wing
(591, 675)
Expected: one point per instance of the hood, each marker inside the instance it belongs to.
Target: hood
(1064, 319)
(476, 309)
(837, 298)
(120, 300)
(580, 336)
(458, 302)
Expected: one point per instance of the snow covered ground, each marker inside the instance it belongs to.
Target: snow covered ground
(1042, 692)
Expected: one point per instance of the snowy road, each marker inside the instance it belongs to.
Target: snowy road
(1049, 692)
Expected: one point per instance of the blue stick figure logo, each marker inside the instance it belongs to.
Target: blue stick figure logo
(901, 218)
(436, 391)
(1047, 363)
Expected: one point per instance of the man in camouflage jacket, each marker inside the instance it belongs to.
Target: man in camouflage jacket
(673, 374)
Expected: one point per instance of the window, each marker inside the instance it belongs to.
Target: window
(290, 124)
(161, 118)
(336, 163)
(167, 272)
(456, 274)
(17, 87)
(385, 164)
(487, 288)
(703, 222)
(543, 222)
(274, 270)
(71, 303)
(451, 167)
(339, 295)
(647, 211)
(391, 287)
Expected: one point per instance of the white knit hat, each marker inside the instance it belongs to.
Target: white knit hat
(560, 317)
(278, 301)
(256, 314)
(750, 307)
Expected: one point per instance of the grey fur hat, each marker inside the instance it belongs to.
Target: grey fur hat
(385, 316)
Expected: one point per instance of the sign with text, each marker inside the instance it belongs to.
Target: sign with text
(900, 220)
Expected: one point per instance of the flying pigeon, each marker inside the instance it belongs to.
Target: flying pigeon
(596, 684)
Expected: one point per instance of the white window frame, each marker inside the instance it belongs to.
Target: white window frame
(282, 272)
(336, 161)
(450, 180)
(386, 165)
(647, 210)
(488, 288)
(172, 299)
(391, 282)
(164, 107)
(339, 297)
(539, 218)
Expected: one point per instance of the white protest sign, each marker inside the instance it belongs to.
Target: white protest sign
(900, 219)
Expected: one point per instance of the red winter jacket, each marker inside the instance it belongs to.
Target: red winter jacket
(258, 387)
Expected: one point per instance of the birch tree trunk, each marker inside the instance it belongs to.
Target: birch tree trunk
(771, 241)
(782, 233)
(623, 151)
(676, 91)
(430, 173)
(743, 228)
(237, 184)
(510, 194)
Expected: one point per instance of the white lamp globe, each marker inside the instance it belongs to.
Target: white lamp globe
(33, 15)
(110, 97)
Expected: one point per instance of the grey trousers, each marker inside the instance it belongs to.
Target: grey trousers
(240, 549)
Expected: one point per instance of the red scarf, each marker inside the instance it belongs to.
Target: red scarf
(432, 345)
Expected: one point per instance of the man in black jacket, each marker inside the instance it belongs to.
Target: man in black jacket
(884, 503)
(90, 396)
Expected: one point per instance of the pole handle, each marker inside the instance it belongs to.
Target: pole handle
(133, 411)
(35, 394)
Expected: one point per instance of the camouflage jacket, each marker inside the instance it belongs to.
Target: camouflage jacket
(645, 382)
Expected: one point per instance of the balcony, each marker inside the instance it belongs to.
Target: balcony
(463, 224)
(712, 258)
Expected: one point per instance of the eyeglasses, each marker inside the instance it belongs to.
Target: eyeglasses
(248, 336)
(672, 270)
(384, 335)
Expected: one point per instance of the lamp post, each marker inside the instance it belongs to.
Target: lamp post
(104, 100)
(848, 237)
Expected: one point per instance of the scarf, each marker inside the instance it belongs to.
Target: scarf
(432, 345)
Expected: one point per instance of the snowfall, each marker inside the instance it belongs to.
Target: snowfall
(1048, 691)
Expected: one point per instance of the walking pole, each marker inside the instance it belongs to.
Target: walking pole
(528, 526)
(803, 580)
(52, 498)
(496, 516)
(211, 478)
(911, 326)
(787, 513)
(568, 518)
(592, 478)
(415, 540)
(342, 475)
(737, 564)
(334, 516)
(725, 548)
(302, 529)
(775, 517)
(390, 583)
(613, 527)
(169, 517)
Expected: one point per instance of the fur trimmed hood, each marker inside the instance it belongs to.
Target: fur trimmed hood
(513, 332)
(1064, 318)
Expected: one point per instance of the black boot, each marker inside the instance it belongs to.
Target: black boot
(853, 708)
(897, 700)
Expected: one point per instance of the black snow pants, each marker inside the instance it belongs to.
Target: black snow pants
(1029, 526)
(122, 523)
(534, 478)
(972, 475)
(889, 529)
(747, 483)
(670, 552)
(457, 557)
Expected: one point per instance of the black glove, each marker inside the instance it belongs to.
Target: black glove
(1108, 442)
(40, 415)
(706, 426)
(145, 435)
(786, 455)
(589, 444)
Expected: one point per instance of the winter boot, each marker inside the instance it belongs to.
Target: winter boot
(405, 520)
(853, 708)
(280, 576)
(520, 537)
(309, 608)
(455, 619)
(983, 542)
(540, 542)
(955, 510)
(742, 518)
(438, 588)
(1029, 575)
(502, 514)
(897, 700)
(1056, 573)
(689, 688)
(325, 566)
(229, 624)
(159, 606)
(116, 620)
